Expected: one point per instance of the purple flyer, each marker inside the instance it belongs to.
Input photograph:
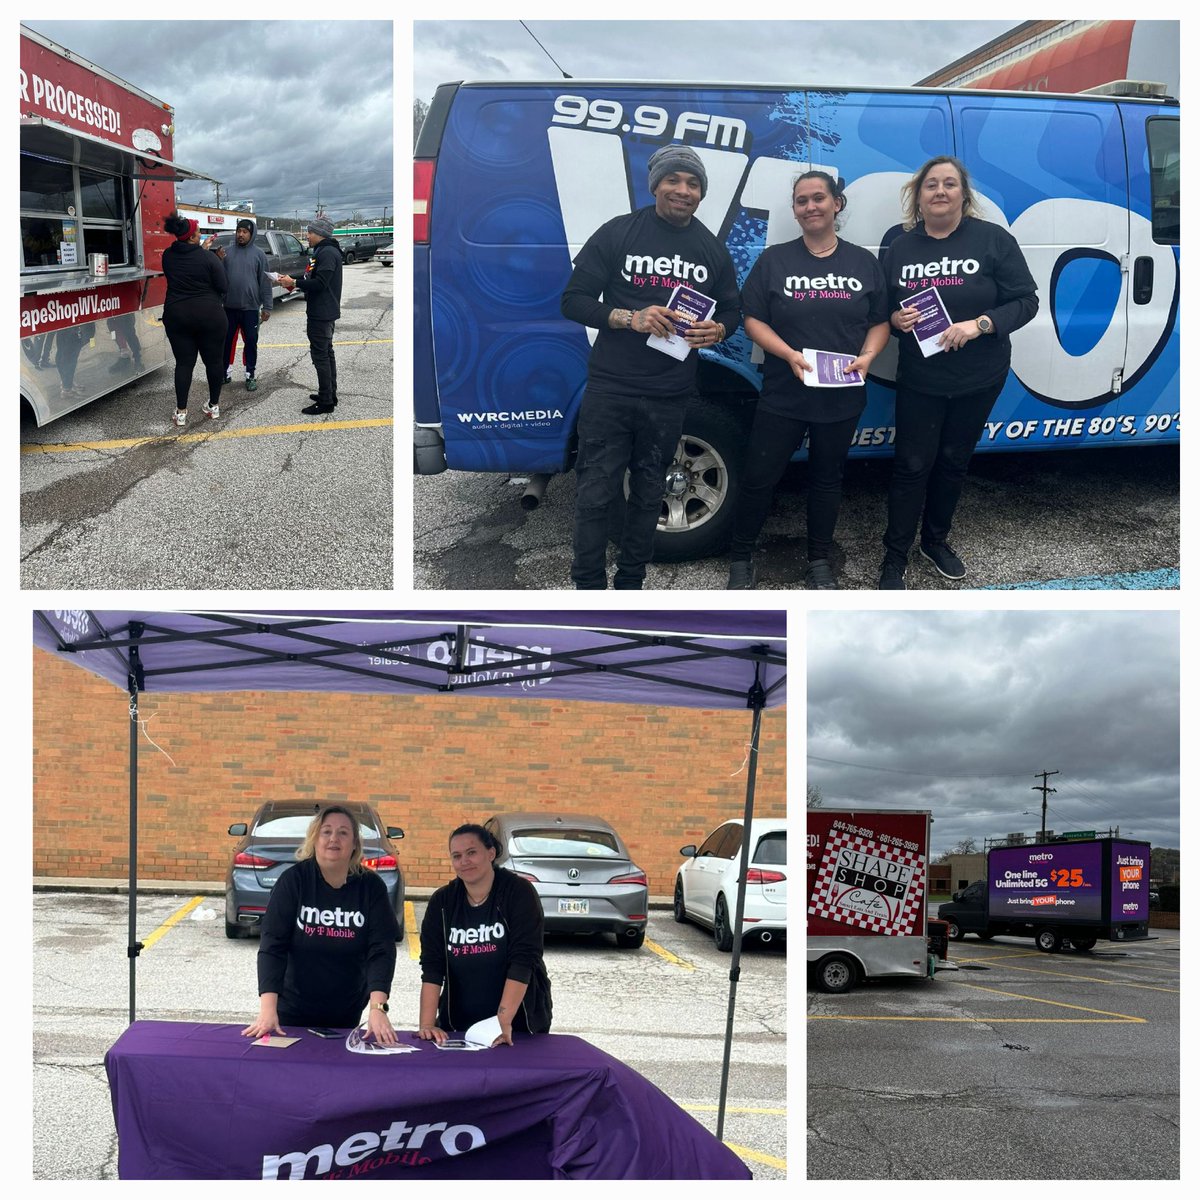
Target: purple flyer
(932, 319)
(690, 306)
(829, 369)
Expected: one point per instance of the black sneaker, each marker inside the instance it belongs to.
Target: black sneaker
(742, 576)
(945, 561)
(891, 576)
(819, 576)
(314, 410)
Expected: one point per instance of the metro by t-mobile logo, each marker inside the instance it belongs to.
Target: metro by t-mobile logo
(675, 268)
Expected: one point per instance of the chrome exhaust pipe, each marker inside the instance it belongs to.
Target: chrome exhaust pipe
(535, 489)
(766, 936)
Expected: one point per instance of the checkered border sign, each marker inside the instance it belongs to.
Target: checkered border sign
(823, 906)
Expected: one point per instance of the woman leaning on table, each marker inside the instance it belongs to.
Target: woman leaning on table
(821, 293)
(328, 937)
(943, 401)
(481, 946)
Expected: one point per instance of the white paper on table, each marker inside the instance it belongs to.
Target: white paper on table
(480, 1036)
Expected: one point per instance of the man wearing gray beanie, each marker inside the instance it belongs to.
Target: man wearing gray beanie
(322, 288)
(632, 412)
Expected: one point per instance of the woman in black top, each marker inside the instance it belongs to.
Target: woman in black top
(194, 312)
(481, 946)
(943, 400)
(817, 293)
(328, 937)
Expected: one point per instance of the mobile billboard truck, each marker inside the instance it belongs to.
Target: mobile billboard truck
(1062, 894)
(868, 872)
(97, 180)
(510, 180)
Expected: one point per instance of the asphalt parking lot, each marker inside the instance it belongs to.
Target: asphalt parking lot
(660, 1009)
(1021, 1065)
(1106, 519)
(114, 496)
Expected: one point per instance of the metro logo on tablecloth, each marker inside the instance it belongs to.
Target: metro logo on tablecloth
(869, 884)
(361, 1153)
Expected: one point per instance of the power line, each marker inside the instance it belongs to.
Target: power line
(838, 762)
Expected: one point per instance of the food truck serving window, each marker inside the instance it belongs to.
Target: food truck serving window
(69, 212)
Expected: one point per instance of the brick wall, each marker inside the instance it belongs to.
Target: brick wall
(662, 777)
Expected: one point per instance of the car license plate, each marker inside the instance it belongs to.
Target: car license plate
(574, 906)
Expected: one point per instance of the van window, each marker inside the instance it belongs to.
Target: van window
(1162, 135)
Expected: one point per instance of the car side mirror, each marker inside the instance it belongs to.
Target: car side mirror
(238, 829)
(688, 851)
(395, 832)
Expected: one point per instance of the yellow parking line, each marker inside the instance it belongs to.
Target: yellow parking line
(663, 953)
(216, 435)
(993, 1020)
(410, 931)
(770, 1112)
(173, 919)
(1038, 1000)
(757, 1156)
(1149, 987)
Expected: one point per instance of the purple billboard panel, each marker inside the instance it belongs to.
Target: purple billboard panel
(1131, 882)
(1060, 882)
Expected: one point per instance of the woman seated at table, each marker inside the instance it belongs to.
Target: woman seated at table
(481, 946)
(328, 937)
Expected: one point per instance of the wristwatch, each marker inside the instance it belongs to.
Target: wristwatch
(382, 1007)
(985, 323)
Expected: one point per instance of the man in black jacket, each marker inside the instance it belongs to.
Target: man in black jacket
(322, 288)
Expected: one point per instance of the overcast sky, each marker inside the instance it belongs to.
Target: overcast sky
(270, 108)
(817, 52)
(957, 712)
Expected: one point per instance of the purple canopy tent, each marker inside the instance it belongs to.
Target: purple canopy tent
(698, 660)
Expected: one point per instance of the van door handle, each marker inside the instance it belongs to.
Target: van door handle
(1143, 279)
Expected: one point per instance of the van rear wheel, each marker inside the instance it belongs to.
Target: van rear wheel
(836, 974)
(1048, 940)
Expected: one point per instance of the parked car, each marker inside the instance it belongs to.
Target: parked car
(385, 255)
(362, 247)
(581, 870)
(286, 255)
(268, 848)
(706, 884)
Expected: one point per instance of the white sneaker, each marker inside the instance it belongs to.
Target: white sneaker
(180, 417)
(212, 410)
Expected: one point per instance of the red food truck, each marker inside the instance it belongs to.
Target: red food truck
(97, 180)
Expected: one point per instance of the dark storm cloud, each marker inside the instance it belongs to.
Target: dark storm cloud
(957, 712)
(270, 108)
(808, 52)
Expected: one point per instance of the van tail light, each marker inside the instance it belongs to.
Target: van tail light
(758, 875)
(422, 195)
(252, 860)
(637, 877)
(385, 862)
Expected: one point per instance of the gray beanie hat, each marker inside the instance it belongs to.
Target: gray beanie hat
(676, 158)
(322, 226)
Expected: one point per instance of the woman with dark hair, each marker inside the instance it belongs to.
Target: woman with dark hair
(817, 292)
(328, 937)
(945, 392)
(481, 946)
(194, 311)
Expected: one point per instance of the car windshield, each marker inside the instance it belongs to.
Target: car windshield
(568, 843)
(772, 848)
(295, 825)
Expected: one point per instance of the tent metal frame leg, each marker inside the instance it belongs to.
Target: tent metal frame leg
(133, 947)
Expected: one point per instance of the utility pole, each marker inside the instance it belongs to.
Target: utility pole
(1045, 792)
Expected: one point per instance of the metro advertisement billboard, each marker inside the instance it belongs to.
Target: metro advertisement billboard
(1061, 881)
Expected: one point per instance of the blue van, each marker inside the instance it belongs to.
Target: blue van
(511, 179)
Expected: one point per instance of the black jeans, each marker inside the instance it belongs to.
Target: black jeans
(245, 319)
(773, 441)
(320, 344)
(935, 438)
(196, 327)
(618, 433)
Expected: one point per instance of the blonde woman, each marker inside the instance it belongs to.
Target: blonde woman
(943, 399)
(328, 937)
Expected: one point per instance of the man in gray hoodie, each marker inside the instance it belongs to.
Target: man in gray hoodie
(249, 291)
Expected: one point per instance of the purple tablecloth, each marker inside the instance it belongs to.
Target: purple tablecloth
(203, 1102)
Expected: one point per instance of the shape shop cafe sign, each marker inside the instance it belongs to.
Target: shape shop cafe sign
(869, 881)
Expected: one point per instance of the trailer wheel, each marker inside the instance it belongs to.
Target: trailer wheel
(836, 974)
(1048, 940)
(1083, 944)
(953, 929)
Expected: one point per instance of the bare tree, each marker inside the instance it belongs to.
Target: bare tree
(966, 846)
(420, 112)
(813, 796)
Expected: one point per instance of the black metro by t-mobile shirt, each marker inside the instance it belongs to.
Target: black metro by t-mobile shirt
(636, 261)
(476, 963)
(977, 269)
(825, 303)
